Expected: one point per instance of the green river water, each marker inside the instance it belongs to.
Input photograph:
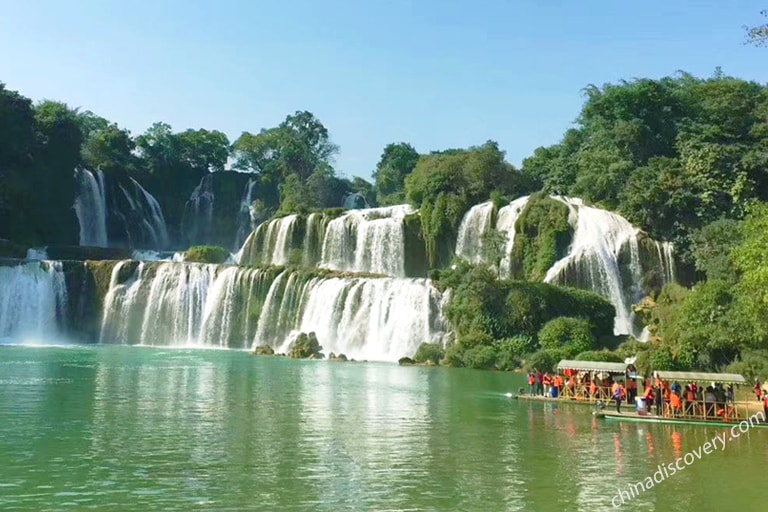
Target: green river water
(127, 428)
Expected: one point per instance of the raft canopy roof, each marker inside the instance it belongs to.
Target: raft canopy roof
(592, 366)
(726, 378)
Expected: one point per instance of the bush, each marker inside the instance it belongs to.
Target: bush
(481, 357)
(599, 355)
(571, 335)
(752, 364)
(432, 352)
(454, 356)
(509, 351)
(542, 360)
(206, 254)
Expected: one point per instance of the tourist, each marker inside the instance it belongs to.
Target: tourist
(765, 406)
(547, 382)
(532, 383)
(539, 383)
(658, 398)
(675, 404)
(758, 390)
(618, 393)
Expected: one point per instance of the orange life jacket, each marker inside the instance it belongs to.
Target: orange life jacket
(531, 380)
(547, 380)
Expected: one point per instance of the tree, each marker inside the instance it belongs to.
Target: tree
(109, 149)
(299, 150)
(203, 149)
(396, 163)
(758, 35)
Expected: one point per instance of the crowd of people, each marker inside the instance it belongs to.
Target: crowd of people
(659, 397)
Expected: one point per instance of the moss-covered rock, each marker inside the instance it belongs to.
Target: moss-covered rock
(306, 346)
(206, 254)
(406, 361)
(263, 350)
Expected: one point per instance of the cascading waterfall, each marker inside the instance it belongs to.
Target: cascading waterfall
(366, 241)
(592, 261)
(505, 222)
(271, 242)
(198, 213)
(604, 255)
(369, 240)
(91, 208)
(364, 318)
(476, 222)
(33, 300)
(187, 304)
(155, 218)
(246, 216)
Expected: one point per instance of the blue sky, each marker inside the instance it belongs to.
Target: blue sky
(437, 74)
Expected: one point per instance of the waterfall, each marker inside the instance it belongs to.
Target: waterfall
(155, 216)
(198, 213)
(476, 222)
(91, 208)
(604, 255)
(592, 261)
(187, 304)
(33, 300)
(246, 216)
(505, 223)
(369, 240)
(365, 318)
(144, 211)
(271, 243)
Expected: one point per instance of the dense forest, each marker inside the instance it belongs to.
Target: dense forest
(684, 158)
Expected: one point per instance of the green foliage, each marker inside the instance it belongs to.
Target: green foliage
(752, 364)
(432, 352)
(510, 351)
(493, 246)
(758, 35)
(508, 315)
(206, 254)
(480, 357)
(672, 155)
(445, 184)
(569, 335)
(543, 236)
(397, 162)
(541, 360)
(712, 247)
(599, 355)
(749, 258)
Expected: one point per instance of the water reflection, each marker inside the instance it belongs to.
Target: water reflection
(122, 428)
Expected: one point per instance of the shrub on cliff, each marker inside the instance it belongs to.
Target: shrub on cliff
(543, 235)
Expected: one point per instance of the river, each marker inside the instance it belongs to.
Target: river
(131, 428)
